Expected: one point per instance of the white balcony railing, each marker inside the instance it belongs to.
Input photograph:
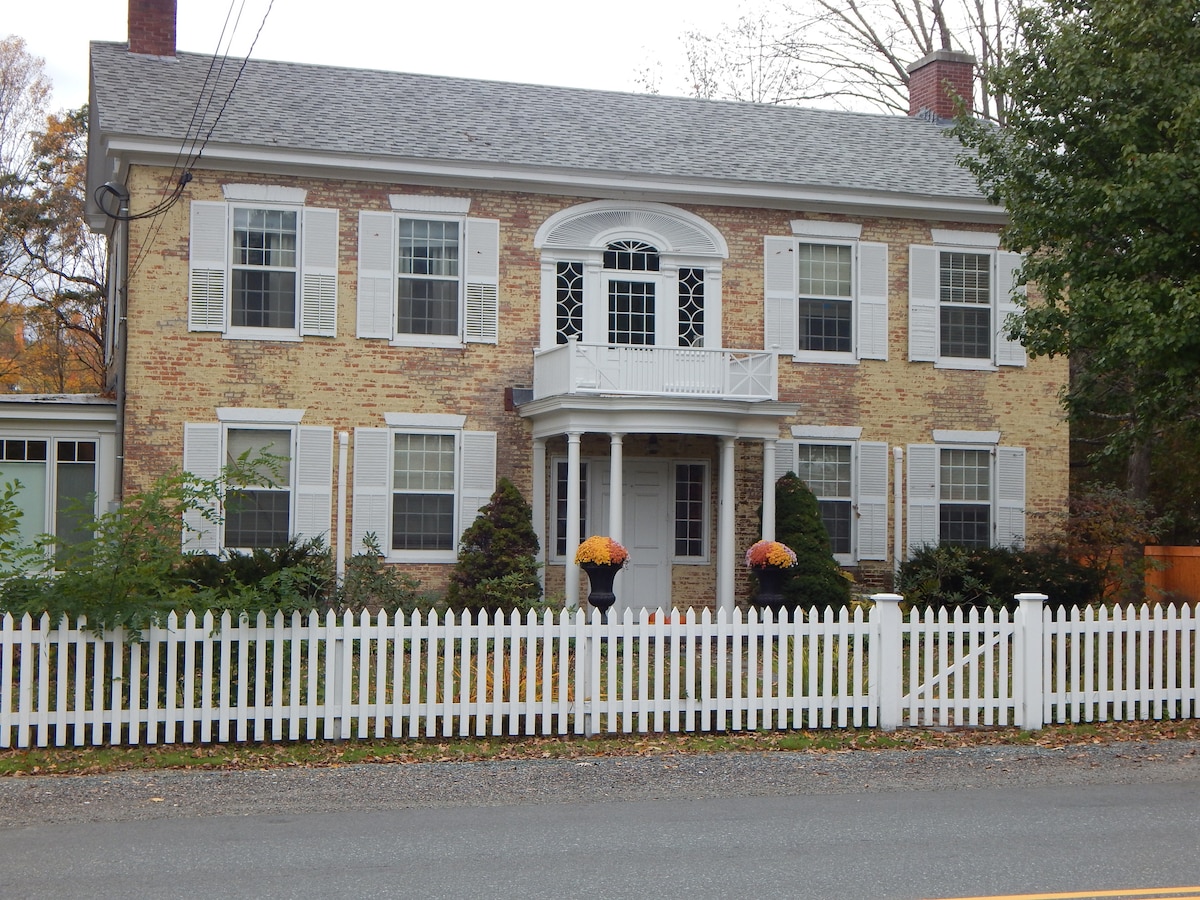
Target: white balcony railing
(577, 368)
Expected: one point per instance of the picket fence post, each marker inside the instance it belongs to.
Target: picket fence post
(887, 658)
(1028, 637)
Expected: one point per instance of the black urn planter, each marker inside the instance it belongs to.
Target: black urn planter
(770, 588)
(600, 576)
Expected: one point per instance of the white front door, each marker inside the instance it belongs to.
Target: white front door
(647, 533)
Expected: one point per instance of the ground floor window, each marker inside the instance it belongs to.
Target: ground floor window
(258, 513)
(560, 506)
(965, 489)
(827, 470)
(965, 507)
(418, 484)
(423, 480)
(57, 486)
(691, 492)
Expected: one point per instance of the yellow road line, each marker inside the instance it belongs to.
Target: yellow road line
(1148, 893)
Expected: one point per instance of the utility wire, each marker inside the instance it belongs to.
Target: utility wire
(213, 78)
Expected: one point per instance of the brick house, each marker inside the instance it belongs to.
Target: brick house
(410, 286)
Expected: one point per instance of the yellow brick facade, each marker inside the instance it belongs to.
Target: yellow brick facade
(175, 376)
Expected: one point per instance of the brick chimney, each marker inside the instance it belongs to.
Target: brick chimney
(152, 27)
(935, 81)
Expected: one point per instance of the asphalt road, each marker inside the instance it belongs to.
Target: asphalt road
(924, 824)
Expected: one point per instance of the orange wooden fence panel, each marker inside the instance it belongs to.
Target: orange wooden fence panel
(1179, 575)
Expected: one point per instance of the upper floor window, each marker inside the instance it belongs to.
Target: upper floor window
(826, 294)
(631, 285)
(263, 266)
(826, 297)
(960, 298)
(428, 275)
(429, 289)
(637, 274)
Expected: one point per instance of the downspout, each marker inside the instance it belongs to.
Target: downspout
(340, 555)
(897, 508)
(118, 325)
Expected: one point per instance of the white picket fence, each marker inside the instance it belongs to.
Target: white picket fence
(206, 679)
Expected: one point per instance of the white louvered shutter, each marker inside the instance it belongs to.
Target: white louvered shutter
(314, 482)
(1008, 266)
(922, 304)
(922, 496)
(319, 272)
(872, 301)
(1010, 496)
(779, 277)
(482, 310)
(785, 458)
(872, 502)
(208, 267)
(372, 503)
(376, 275)
(202, 459)
(478, 479)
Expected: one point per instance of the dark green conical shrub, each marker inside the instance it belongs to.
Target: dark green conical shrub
(497, 565)
(816, 579)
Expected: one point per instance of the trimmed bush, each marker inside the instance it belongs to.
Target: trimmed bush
(816, 579)
(951, 575)
(497, 566)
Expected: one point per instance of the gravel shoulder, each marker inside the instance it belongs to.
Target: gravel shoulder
(161, 794)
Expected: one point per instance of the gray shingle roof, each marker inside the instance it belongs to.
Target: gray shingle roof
(293, 106)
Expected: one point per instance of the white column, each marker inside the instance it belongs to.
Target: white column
(726, 551)
(768, 500)
(616, 482)
(538, 502)
(571, 572)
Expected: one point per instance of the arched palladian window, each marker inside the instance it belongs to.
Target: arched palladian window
(631, 273)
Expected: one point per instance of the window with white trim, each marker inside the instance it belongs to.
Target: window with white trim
(966, 490)
(961, 295)
(691, 510)
(643, 274)
(419, 483)
(263, 265)
(560, 505)
(826, 469)
(278, 475)
(258, 513)
(849, 478)
(826, 294)
(58, 486)
(428, 275)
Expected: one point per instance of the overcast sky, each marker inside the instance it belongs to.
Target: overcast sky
(556, 42)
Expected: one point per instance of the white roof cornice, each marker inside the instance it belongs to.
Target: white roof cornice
(624, 185)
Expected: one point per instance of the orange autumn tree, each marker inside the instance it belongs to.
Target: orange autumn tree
(52, 268)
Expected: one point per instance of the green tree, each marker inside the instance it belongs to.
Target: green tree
(1096, 166)
(815, 580)
(497, 558)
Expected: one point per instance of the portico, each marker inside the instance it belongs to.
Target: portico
(643, 482)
